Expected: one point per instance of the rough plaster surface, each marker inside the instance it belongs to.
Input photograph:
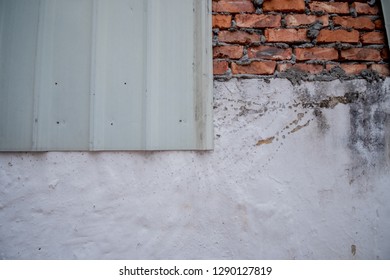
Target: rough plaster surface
(298, 172)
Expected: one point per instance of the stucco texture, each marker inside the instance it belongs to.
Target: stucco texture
(297, 172)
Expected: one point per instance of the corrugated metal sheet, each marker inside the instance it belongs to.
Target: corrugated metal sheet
(105, 75)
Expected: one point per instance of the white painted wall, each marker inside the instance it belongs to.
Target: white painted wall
(311, 193)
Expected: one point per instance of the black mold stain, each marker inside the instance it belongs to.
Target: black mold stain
(368, 120)
(321, 120)
(353, 250)
(369, 117)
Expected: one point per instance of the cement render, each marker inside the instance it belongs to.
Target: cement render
(298, 172)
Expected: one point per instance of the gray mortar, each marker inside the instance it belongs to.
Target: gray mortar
(371, 2)
(295, 76)
(314, 30)
(283, 22)
(259, 11)
(371, 75)
(306, 45)
(342, 46)
(338, 73)
(258, 3)
(281, 45)
(319, 13)
(353, 12)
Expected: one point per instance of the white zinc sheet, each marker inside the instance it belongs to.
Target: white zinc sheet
(105, 75)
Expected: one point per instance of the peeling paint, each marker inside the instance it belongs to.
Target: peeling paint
(299, 127)
(265, 141)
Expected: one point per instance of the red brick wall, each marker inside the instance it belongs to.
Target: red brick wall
(269, 37)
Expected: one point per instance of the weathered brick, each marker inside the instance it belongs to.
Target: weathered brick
(269, 52)
(361, 54)
(220, 67)
(286, 35)
(362, 23)
(308, 68)
(284, 6)
(365, 9)
(283, 67)
(382, 69)
(255, 68)
(373, 38)
(328, 36)
(258, 21)
(294, 20)
(330, 7)
(222, 21)
(238, 37)
(316, 53)
(233, 6)
(349, 69)
(353, 69)
(385, 53)
(232, 52)
(379, 24)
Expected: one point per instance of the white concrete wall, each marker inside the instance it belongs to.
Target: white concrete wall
(288, 179)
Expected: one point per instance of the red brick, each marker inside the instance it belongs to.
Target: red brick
(363, 23)
(308, 68)
(258, 21)
(238, 37)
(327, 36)
(349, 69)
(283, 67)
(222, 21)
(284, 6)
(316, 53)
(232, 52)
(385, 53)
(332, 8)
(286, 35)
(269, 52)
(255, 68)
(353, 69)
(379, 24)
(373, 38)
(302, 19)
(365, 9)
(233, 6)
(220, 67)
(382, 69)
(361, 54)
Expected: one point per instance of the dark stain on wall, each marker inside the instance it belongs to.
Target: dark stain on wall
(369, 121)
(369, 111)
